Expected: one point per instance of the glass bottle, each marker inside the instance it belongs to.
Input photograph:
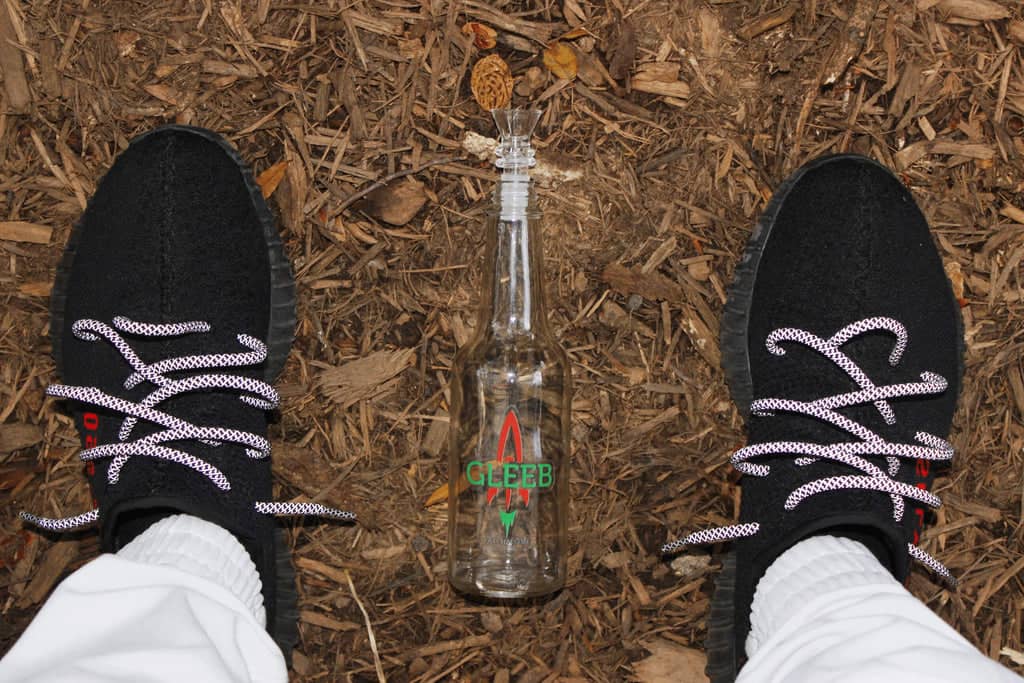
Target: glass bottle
(511, 393)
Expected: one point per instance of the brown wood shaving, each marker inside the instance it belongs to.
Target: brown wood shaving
(19, 97)
(661, 78)
(362, 378)
(851, 40)
(977, 10)
(766, 22)
(648, 285)
(23, 231)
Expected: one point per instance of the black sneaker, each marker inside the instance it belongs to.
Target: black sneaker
(173, 308)
(842, 325)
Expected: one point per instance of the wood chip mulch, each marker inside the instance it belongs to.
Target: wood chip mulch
(666, 129)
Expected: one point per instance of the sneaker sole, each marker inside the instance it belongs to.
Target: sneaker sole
(283, 621)
(720, 643)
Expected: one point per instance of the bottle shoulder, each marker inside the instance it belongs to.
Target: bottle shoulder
(518, 350)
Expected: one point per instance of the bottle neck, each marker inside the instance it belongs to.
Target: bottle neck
(515, 305)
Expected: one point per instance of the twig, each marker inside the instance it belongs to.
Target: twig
(767, 22)
(355, 197)
(369, 630)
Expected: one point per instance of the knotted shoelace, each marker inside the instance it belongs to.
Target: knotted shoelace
(872, 477)
(254, 392)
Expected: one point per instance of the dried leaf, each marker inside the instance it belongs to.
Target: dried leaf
(484, 37)
(561, 60)
(440, 494)
(396, 203)
(272, 177)
(491, 83)
(670, 662)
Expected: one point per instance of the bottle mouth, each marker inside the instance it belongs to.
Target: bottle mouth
(515, 127)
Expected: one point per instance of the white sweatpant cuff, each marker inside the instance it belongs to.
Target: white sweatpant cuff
(812, 567)
(202, 549)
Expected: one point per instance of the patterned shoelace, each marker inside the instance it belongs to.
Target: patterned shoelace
(254, 392)
(928, 447)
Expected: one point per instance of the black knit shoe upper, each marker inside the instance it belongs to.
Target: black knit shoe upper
(841, 340)
(173, 308)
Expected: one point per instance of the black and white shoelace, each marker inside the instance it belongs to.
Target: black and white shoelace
(254, 392)
(873, 478)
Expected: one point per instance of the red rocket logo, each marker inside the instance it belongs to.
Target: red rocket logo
(509, 428)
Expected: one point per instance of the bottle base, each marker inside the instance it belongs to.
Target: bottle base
(501, 583)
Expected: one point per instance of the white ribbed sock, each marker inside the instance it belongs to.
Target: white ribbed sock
(814, 566)
(202, 549)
